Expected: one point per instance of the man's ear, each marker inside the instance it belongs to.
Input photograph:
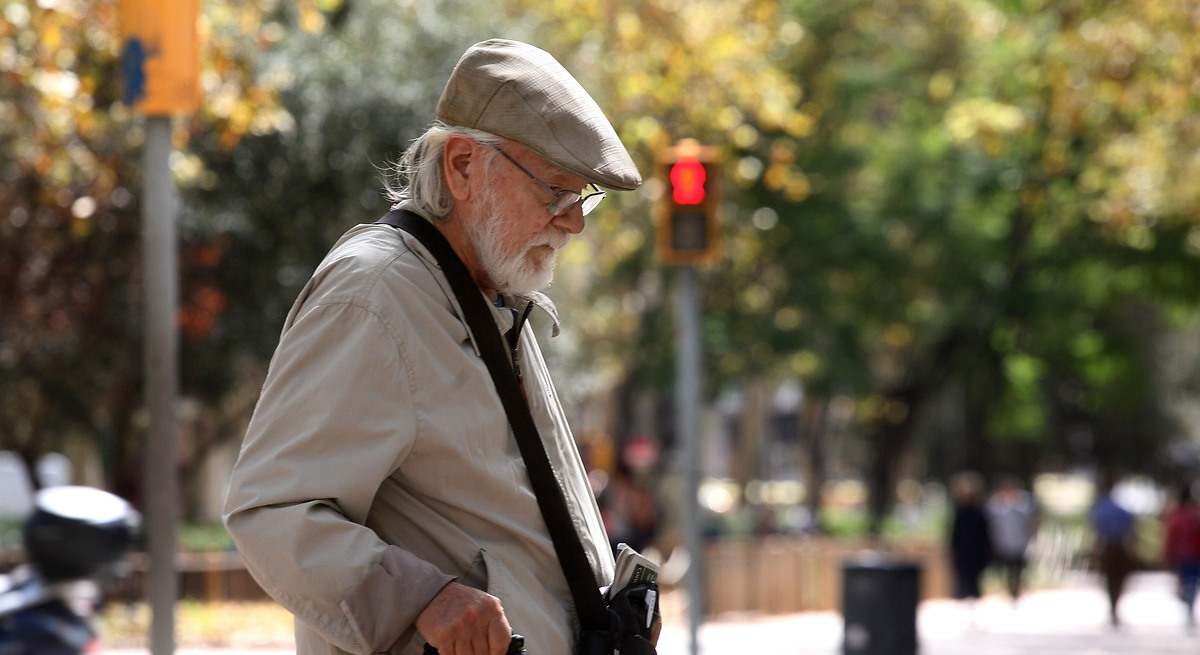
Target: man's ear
(458, 155)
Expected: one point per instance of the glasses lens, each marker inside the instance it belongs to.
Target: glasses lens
(590, 202)
(563, 201)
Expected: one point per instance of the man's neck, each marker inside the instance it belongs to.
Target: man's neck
(453, 227)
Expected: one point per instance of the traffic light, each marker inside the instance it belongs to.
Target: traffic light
(160, 55)
(687, 216)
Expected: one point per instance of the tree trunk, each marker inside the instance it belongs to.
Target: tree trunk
(888, 442)
(816, 424)
(894, 431)
(751, 431)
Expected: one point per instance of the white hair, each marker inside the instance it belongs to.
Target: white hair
(417, 176)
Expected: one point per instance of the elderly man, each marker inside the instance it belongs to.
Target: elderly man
(379, 494)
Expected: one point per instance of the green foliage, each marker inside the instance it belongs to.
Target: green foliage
(1021, 412)
(990, 202)
(70, 261)
(303, 106)
(963, 168)
(960, 191)
(204, 537)
(847, 523)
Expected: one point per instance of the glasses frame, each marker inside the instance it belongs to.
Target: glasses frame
(564, 199)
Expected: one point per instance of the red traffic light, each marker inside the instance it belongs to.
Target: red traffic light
(687, 177)
(688, 232)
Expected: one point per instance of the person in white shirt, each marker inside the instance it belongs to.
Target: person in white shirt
(1012, 515)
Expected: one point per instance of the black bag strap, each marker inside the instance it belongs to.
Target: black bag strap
(580, 577)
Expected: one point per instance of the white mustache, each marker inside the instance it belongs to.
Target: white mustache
(554, 239)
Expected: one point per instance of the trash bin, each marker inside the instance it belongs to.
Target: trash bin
(879, 605)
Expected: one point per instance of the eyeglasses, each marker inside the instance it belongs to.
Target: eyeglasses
(564, 199)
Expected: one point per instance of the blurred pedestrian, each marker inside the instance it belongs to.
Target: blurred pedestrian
(970, 536)
(1181, 547)
(630, 511)
(380, 494)
(1113, 526)
(1012, 518)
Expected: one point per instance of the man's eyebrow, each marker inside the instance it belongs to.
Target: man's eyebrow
(564, 180)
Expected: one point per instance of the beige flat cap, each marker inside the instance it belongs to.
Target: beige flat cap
(517, 91)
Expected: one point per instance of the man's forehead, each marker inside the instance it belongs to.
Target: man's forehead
(552, 173)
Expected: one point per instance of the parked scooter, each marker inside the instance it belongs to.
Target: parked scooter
(74, 539)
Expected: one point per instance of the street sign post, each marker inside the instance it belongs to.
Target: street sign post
(160, 66)
(688, 386)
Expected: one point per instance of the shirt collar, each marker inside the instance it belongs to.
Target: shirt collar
(540, 301)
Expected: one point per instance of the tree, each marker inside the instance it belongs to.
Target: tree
(70, 354)
(961, 200)
(663, 72)
(973, 191)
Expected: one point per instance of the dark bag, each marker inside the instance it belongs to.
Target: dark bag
(636, 619)
(605, 627)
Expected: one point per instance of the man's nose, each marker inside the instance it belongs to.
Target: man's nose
(570, 221)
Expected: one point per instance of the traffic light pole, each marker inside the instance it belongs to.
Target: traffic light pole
(160, 492)
(688, 387)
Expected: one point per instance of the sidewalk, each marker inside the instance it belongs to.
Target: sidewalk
(1071, 621)
(1060, 622)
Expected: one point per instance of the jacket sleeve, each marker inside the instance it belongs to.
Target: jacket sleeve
(334, 420)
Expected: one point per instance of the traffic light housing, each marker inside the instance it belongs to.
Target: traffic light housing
(688, 232)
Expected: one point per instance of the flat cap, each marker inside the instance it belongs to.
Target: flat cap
(520, 92)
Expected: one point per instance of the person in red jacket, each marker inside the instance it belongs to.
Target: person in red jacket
(1182, 548)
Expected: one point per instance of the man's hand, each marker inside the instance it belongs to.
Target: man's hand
(465, 621)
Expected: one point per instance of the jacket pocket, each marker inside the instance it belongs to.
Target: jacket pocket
(484, 574)
(492, 573)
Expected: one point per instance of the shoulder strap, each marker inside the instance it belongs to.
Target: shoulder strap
(579, 574)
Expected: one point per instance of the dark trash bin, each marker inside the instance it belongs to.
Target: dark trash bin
(879, 605)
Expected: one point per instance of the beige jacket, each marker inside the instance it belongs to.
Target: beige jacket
(379, 464)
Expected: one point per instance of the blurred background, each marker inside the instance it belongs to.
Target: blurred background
(955, 235)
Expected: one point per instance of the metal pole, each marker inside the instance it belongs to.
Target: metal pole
(688, 386)
(160, 288)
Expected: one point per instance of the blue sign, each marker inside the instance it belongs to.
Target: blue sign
(133, 70)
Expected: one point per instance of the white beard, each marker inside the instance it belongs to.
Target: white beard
(513, 273)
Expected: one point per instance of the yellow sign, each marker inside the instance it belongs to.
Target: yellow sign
(160, 56)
